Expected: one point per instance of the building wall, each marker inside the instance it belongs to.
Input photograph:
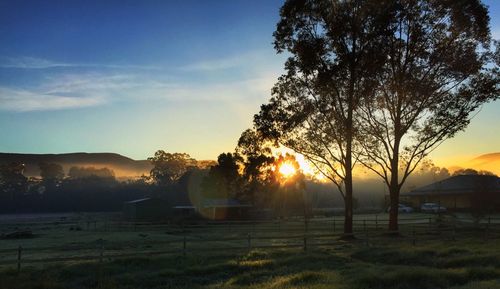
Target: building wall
(458, 202)
(148, 210)
(224, 213)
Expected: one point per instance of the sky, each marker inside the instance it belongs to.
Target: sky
(133, 77)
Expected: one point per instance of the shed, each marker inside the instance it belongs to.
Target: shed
(147, 209)
(225, 209)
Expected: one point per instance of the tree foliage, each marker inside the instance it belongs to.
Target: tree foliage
(89, 172)
(223, 179)
(169, 167)
(336, 50)
(51, 172)
(469, 171)
(438, 71)
(259, 180)
(12, 180)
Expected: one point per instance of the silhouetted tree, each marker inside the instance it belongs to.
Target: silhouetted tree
(470, 171)
(12, 180)
(259, 182)
(87, 172)
(52, 174)
(426, 174)
(336, 50)
(435, 75)
(169, 167)
(223, 179)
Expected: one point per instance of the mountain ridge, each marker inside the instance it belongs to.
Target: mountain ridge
(122, 166)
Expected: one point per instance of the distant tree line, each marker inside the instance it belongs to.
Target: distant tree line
(83, 189)
(250, 175)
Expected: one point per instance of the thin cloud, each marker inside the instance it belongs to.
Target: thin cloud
(70, 91)
(246, 61)
(213, 65)
(23, 101)
(83, 89)
(26, 62)
(30, 63)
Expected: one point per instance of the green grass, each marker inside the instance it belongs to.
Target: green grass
(351, 265)
(435, 262)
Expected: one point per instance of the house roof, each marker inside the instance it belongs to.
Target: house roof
(138, 201)
(459, 185)
(185, 207)
(223, 203)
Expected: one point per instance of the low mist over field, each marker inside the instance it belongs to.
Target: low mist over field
(123, 167)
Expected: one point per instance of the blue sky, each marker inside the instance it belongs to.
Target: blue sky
(133, 77)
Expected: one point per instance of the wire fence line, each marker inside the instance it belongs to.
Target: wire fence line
(336, 223)
(193, 239)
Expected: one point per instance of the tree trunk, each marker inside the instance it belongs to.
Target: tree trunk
(394, 190)
(393, 213)
(348, 191)
(348, 206)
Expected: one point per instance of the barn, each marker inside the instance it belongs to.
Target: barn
(462, 192)
(147, 209)
(224, 209)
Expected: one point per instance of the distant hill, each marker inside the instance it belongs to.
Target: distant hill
(121, 165)
(487, 162)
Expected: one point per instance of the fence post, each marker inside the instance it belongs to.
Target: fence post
(19, 252)
(334, 223)
(101, 257)
(414, 236)
(430, 221)
(364, 226)
(249, 241)
(376, 222)
(488, 228)
(454, 230)
(305, 243)
(184, 245)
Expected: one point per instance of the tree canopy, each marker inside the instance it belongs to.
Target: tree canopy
(438, 70)
(169, 167)
(336, 50)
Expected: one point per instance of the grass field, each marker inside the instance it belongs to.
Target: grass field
(435, 257)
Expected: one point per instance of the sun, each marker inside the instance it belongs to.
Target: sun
(287, 169)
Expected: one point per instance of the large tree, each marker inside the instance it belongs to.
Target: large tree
(259, 181)
(223, 179)
(52, 174)
(12, 180)
(438, 70)
(169, 167)
(335, 51)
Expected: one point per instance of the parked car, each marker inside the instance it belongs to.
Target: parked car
(432, 208)
(402, 209)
